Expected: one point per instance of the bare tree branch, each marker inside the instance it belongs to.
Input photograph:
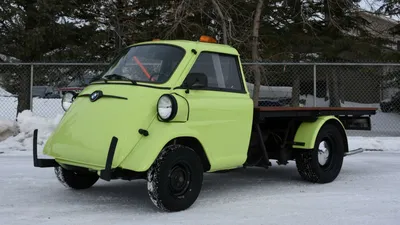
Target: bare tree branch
(255, 54)
(221, 16)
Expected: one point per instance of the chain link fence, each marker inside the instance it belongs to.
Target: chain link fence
(282, 84)
(333, 85)
(41, 86)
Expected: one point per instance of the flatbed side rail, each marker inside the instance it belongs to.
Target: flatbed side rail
(311, 112)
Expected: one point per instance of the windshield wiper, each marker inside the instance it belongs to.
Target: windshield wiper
(118, 76)
(97, 80)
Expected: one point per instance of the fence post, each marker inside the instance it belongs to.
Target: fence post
(315, 85)
(31, 90)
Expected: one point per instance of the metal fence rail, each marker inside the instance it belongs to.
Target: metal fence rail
(282, 84)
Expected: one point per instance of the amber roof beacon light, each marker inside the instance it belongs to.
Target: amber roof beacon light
(209, 39)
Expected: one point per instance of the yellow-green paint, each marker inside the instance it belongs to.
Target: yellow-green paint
(220, 121)
(85, 132)
(308, 131)
(183, 108)
(223, 130)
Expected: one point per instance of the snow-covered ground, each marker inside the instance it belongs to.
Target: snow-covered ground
(366, 192)
(26, 124)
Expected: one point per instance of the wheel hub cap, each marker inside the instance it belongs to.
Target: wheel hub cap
(179, 180)
(323, 153)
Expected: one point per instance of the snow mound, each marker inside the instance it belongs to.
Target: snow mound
(26, 124)
(7, 129)
(375, 143)
(4, 93)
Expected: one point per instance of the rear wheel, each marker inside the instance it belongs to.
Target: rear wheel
(75, 179)
(385, 107)
(323, 163)
(175, 178)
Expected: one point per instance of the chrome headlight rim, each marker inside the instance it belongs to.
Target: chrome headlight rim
(173, 105)
(67, 100)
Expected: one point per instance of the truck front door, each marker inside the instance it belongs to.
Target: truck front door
(222, 112)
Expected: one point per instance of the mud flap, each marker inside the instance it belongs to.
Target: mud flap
(42, 163)
(106, 173)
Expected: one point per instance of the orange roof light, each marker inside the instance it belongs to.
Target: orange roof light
(156, 39)
(209, 39)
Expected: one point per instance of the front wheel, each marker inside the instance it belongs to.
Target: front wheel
(175, 178)
(75, 179)
(323, 163)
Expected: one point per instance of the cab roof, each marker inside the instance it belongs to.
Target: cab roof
(197, 45)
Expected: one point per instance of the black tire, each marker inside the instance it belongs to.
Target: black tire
(76, 179)
(167, 187)
(385, 108)
(308, 164)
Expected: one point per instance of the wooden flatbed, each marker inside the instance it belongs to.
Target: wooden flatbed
(275, 112)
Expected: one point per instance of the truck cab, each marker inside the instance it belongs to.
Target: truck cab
(169, 111)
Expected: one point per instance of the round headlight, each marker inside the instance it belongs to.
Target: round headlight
(67, 100)
(167, 107)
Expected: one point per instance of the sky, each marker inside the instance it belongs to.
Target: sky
(370, 5)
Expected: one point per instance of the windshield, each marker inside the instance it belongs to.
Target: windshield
(145, 63)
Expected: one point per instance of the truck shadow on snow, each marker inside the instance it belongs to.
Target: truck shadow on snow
(217, 187)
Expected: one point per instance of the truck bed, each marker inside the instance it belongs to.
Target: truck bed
(271, 112)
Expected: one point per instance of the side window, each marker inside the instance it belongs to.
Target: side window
(204, 64)
(222, 70)
(230, 70)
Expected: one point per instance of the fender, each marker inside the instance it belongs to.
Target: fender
(148, 148)
(307, 132)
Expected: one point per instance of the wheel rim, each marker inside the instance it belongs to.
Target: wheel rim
(179, 179)
(324, 153)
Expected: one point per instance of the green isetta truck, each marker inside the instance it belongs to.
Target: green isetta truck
(168, 111)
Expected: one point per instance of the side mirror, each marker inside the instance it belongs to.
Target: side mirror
(196, 80)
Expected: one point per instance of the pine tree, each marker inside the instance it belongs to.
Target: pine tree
(32, 30)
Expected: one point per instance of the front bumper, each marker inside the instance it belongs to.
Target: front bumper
(105, 174)
(42, 163)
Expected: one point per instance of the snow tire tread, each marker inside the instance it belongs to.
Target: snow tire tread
(157, 172)
(307, 162)
(75, 180)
